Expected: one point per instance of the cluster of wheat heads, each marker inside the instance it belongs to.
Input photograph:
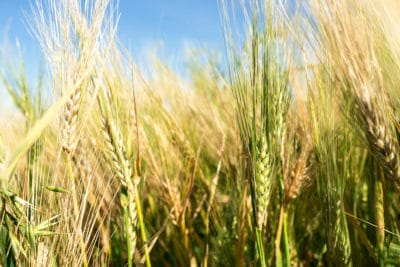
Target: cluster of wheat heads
(286, 154)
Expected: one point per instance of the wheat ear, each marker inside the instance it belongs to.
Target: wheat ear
(115, 151)
(299, 176)
(380, 140)
(70, 122)
(263, 181)
(121, 165)
(69, 141)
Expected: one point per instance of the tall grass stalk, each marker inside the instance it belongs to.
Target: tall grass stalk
(259, 81)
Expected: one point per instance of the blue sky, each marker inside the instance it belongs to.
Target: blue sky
(173, 22)
(169, 24)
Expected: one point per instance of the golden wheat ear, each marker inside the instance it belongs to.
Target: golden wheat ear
(69, 137)
(300, 175)
(383, 145)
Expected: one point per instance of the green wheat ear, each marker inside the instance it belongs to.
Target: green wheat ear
(263, 181)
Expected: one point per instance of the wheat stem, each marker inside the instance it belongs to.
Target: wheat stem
(260, 246)
(76, 210)
(141, 224)
(380, 221)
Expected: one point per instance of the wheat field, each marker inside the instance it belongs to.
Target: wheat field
(286, 154)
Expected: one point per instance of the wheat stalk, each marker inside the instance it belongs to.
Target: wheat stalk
(362, 80)
(99, 201)
(69, 141)
(115, 152)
